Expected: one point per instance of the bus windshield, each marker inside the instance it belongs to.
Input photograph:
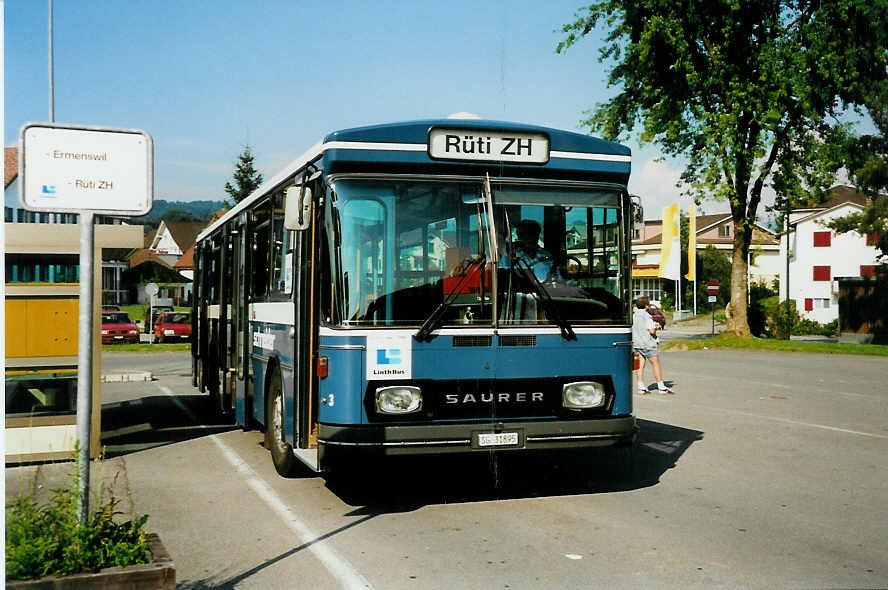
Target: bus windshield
(561, 247)
(401, 245)
(405, 249)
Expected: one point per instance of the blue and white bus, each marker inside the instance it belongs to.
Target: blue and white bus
(425, 287)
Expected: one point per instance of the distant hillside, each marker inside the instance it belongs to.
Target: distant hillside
(179, 211)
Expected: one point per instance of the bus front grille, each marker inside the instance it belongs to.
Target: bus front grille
(472, 340)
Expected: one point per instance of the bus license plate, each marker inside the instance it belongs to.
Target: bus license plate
(498, 439)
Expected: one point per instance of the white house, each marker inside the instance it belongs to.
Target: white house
(711, 230)
(819, 255)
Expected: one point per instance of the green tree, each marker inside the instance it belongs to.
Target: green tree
(246, 177)
(713, 264)
(178, 215)
(744, 91)
(866, 159)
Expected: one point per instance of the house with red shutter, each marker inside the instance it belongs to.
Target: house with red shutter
(818, 256)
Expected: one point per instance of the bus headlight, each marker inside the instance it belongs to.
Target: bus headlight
(399, 399)
(583, 395)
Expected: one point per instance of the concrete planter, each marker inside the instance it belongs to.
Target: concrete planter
(160, 574)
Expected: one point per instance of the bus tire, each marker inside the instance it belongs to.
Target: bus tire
(281, 451)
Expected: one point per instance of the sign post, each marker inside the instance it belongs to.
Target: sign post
(151, 289)
(712, 290)
(87, 171)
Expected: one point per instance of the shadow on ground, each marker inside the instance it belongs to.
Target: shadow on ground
(154, 421)
(405, 485)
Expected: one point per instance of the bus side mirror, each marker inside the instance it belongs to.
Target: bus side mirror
(297, 207)
(637, 212)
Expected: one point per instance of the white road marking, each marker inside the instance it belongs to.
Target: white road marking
(798, 423)
(178, 403)
(336, 565)
(340, 568)
(823, 387)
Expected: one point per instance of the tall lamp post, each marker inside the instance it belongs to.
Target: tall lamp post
(787, 226)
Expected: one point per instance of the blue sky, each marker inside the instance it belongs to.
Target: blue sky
(206, 77)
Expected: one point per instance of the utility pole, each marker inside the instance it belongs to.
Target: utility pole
(51, 77)
(786, 228)
(85, 330)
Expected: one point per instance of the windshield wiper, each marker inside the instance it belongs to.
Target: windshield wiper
(424, 334)
(549, 304)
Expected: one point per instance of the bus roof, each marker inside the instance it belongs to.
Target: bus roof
(408, 143)
(418, 131)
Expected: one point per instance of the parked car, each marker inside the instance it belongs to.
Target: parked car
(118, 327)
(173, 325)
(155, 313)
(657, 314)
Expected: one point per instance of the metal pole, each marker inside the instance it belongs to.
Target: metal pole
(84, 362)
(51, 77)
(788, 313)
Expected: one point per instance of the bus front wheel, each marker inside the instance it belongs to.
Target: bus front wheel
(281, 451)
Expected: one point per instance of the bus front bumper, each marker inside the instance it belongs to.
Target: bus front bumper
(474, 437)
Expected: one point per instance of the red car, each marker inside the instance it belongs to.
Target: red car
(118, 327)
(173, 325)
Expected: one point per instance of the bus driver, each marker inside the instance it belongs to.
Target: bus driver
(528, 250)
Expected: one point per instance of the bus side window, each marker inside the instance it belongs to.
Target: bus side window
(281, 251)
(260, 238)
(213, 276)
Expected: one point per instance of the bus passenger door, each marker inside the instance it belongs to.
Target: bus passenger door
(238, 341)
(303, 245)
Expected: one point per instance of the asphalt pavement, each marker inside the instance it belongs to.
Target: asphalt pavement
(764, 470)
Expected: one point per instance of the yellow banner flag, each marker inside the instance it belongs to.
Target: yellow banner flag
(670, 250)
(692, 243)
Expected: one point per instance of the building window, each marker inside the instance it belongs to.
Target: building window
(9, 214)
(822, 239)
(867, 270)
(649, 286)
(822, 273)
(724, 231)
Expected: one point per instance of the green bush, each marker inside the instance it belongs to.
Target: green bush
(783, 324)
(760, 309)
(779, 322)
(46, 540)
(757, 319)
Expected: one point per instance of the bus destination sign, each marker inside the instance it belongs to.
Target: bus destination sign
(479, 145)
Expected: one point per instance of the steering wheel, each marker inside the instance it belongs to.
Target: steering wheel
(573, 258)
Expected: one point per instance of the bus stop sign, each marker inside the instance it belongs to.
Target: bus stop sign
(68, 169)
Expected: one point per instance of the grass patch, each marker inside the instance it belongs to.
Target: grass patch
(722, 341)
(136, 312)
(146, 347)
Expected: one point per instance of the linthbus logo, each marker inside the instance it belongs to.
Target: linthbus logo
(48, 189)
(388, 356)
